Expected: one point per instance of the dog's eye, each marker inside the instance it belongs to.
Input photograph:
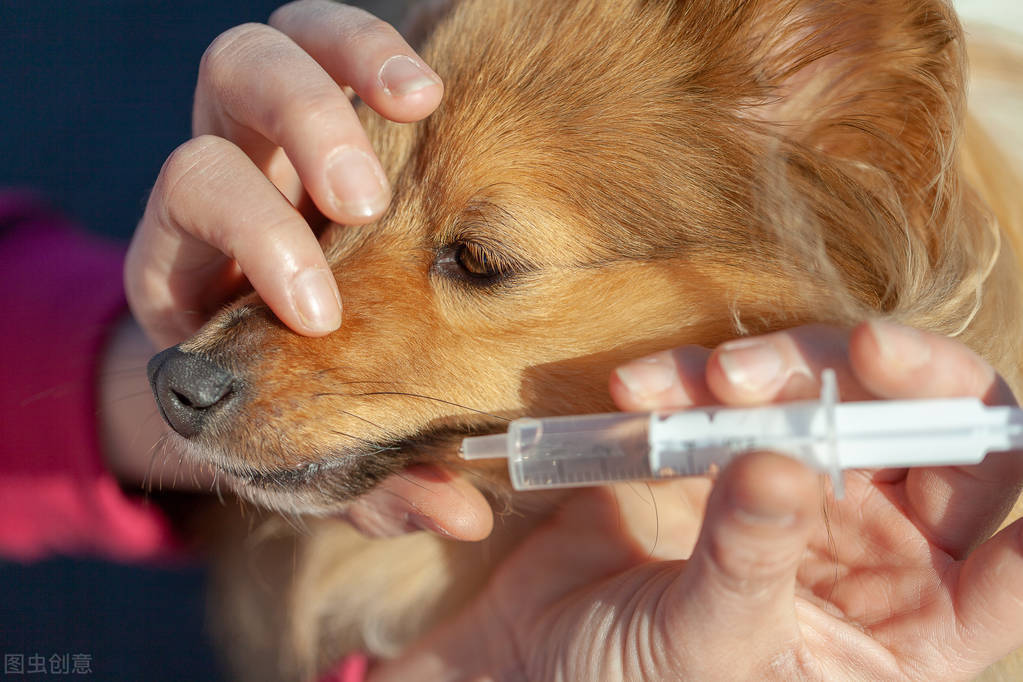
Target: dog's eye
(473, 263)
(476, 261)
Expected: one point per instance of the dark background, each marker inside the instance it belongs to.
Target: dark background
(94, 94)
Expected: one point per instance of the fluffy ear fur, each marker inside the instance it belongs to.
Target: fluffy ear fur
(861, 103)
(879, 82)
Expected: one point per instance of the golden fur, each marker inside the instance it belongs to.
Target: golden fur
(639, 175)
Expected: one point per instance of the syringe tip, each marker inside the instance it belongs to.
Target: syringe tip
(485, 447)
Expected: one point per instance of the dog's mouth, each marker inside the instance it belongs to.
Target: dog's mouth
(328, 482)
(309, 466)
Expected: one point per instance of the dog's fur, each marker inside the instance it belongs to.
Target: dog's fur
(628, 176)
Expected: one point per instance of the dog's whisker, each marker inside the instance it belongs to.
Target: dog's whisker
(160, 450)
(295, 521)
(351, 414)
(356, 382)
(633, 488)
(408, 479)
(657, 521)
(618, 506)
(177, 471)
(207, 468)
(348, 382)
(358, 438)
(147, 478)
(216, 482)
(400, 497)
(127, 370)
(114, 401)
(163, 468)
(411, 395)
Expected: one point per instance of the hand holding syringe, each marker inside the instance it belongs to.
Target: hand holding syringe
(559, 452)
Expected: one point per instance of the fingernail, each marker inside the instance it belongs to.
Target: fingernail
(653, 381)
(314, 292)
(750, 364)
(401, 75)
(358, 185)
(900, 346)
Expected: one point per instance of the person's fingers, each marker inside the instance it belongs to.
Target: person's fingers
(894, 361)
(361, 51)
(297, 106)
(988, 597)
(956, 507)
(742, 574)
(672, 379)
(774, 367)
(781, 366)
(423, 497)
(209, 202)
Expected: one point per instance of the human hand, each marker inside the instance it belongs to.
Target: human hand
(277, 144)
(747, 580)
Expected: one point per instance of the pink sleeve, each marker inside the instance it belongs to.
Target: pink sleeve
(352, 668)
(61, 291)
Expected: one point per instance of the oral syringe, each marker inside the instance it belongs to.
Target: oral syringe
(588, 450)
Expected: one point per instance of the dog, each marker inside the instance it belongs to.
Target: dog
(604, 179)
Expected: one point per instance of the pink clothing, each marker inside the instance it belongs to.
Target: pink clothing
(60, 291)
(352, 669)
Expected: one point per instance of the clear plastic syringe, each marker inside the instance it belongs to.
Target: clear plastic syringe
(561, 452)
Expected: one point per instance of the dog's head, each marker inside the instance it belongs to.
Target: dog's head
(603, 179)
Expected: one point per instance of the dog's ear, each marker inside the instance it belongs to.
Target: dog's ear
(854, 77)
(853, 109)
(876, 81)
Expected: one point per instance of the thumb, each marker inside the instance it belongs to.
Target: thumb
(742, 574)
(423, 497)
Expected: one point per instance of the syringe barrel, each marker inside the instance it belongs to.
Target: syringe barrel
(559, 452)
(575, 451)
(697, 442)
(578, 451)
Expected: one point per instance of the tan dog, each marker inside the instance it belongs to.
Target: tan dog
(605, 178)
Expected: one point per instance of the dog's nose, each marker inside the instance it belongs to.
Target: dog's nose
(189, 388)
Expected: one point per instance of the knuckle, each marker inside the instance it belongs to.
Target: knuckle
(228, 50)
(180, 173)
(367, 33)
(182, 160)
(315, 112)
(286, 14)
(729, 562)
(749, 567)
(282, 230)
(354, 27)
